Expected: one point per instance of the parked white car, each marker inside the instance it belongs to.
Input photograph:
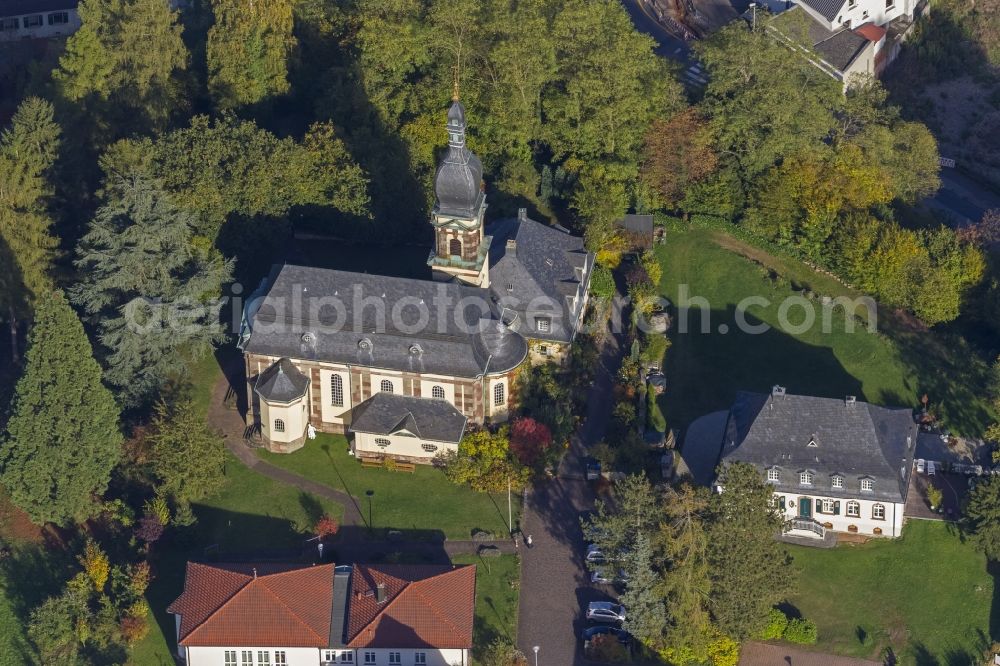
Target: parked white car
(605, 612)
(930, 468)
(921, 465)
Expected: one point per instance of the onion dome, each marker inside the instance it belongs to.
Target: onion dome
(459, 178)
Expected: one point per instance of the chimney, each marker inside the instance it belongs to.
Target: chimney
(380, 593)
(778, 391)
(850, 400)
(522, 214)
(512, 247)
(255, 573)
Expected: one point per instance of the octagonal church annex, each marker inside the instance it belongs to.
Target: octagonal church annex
(404, 365)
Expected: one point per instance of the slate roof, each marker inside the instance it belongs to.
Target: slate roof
(426, 606)
(855, 441)
(282, 382)
(828, 9)
(459, 178)
(539, 274)
(270, 605)
(21, 7)
(839, 47)
(427, 418)
(342, 317)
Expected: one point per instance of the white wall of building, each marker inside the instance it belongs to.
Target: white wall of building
(216, 656)
(864, 11)
(39, 25)
(381, 657)
(496, 410)
(396, 380)
(329, 412)
(427, 389)
(294, 415)
(891, 526)
(399, 445)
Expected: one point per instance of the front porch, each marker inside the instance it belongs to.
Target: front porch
(807, 532)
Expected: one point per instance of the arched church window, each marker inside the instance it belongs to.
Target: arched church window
(386, 386)
(437, 392)
(455, 247)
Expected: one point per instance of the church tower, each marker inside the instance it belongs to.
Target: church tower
(460, 244)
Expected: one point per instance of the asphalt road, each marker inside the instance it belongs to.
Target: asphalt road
(962, 198)
(668, 45)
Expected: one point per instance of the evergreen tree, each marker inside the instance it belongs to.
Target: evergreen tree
(751, 572)
(124, 64)
(188, 456)
(981, 517)
(150, 289)
(248, 51)
(645, 615)
(615, 526)
(27, 152)
(63, 438)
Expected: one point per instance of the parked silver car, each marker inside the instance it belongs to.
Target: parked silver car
(605, 612)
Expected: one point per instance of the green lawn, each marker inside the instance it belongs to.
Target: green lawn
(252, 514)
(892, 367)
(497, 594)
(927, 595)
(424, 500)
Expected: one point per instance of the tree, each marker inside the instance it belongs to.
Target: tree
(28, 150)
(248, 51)
(124, 64)
(678, 154)
(686, 584)
(188, 456)
(751, 572)
(485, 463)
(62, 438)
(529, 439)
(907, 155)
(149, 288)
(981, 517)
(645, 617)
(52, 630)
(614, 526)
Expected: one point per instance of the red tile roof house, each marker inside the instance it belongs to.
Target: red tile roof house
(295, 615)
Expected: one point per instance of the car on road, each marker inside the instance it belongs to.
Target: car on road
(593, 468)
(605, 612)
(930, 468)
(604, 630)
(594, 554)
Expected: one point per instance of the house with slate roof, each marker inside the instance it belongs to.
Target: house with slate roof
(837, 465)
(294, 615)
(404, 365)
(847, 37)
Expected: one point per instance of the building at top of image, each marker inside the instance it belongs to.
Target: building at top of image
(837, 465)
(406, 365)
(37, 19)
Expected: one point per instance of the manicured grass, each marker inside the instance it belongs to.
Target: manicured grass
(927, 595)
(424, 500)
(894, 366)
(497, 593)
(251, 515)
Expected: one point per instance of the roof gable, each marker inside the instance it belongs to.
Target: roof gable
(266, 605)
(425, 606)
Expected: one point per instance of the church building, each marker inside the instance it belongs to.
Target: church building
(403, 365)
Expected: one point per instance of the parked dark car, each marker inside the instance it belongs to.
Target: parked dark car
(602, 630)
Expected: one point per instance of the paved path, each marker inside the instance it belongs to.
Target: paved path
(356, 548)
(555, 584)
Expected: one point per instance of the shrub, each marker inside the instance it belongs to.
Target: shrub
(777, 622)
(934, 496)
(800, 631)
(529, 439)
(326, 527)
(724, 651)
(606, 648)
(653, 413)
(602, 282)
(502, 652)
(150, 529)
(654, 349)
(95, 562)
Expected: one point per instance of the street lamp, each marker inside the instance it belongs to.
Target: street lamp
(535, 650)
(753, 10)
(370, 493)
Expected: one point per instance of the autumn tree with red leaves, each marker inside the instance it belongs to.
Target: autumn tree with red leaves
(529, 439)
(678, 154)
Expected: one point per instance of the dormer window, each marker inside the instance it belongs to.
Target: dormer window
(543, 324)
(837, 481)
(805, 478)
(851, 4)
(813, 442)
(773, 475)
(867, 485)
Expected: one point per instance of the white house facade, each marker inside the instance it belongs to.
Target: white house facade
(37, 19)
(294, 615)
(836, 465)
(319, 345)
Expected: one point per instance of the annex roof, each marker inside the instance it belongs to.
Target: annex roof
(427, 418)
(871, 32)
(839, 48)
(425, 606)
(378, 321)
(826, 436)
(262, 604)
(828, 9)
(282, 382)
(536, 270)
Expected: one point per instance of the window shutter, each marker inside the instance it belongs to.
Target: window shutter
(836, 508)
(819, 506)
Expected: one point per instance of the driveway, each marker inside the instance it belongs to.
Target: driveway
(962, 198)
(555, 584)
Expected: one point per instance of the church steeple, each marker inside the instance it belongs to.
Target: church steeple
(460, 244)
